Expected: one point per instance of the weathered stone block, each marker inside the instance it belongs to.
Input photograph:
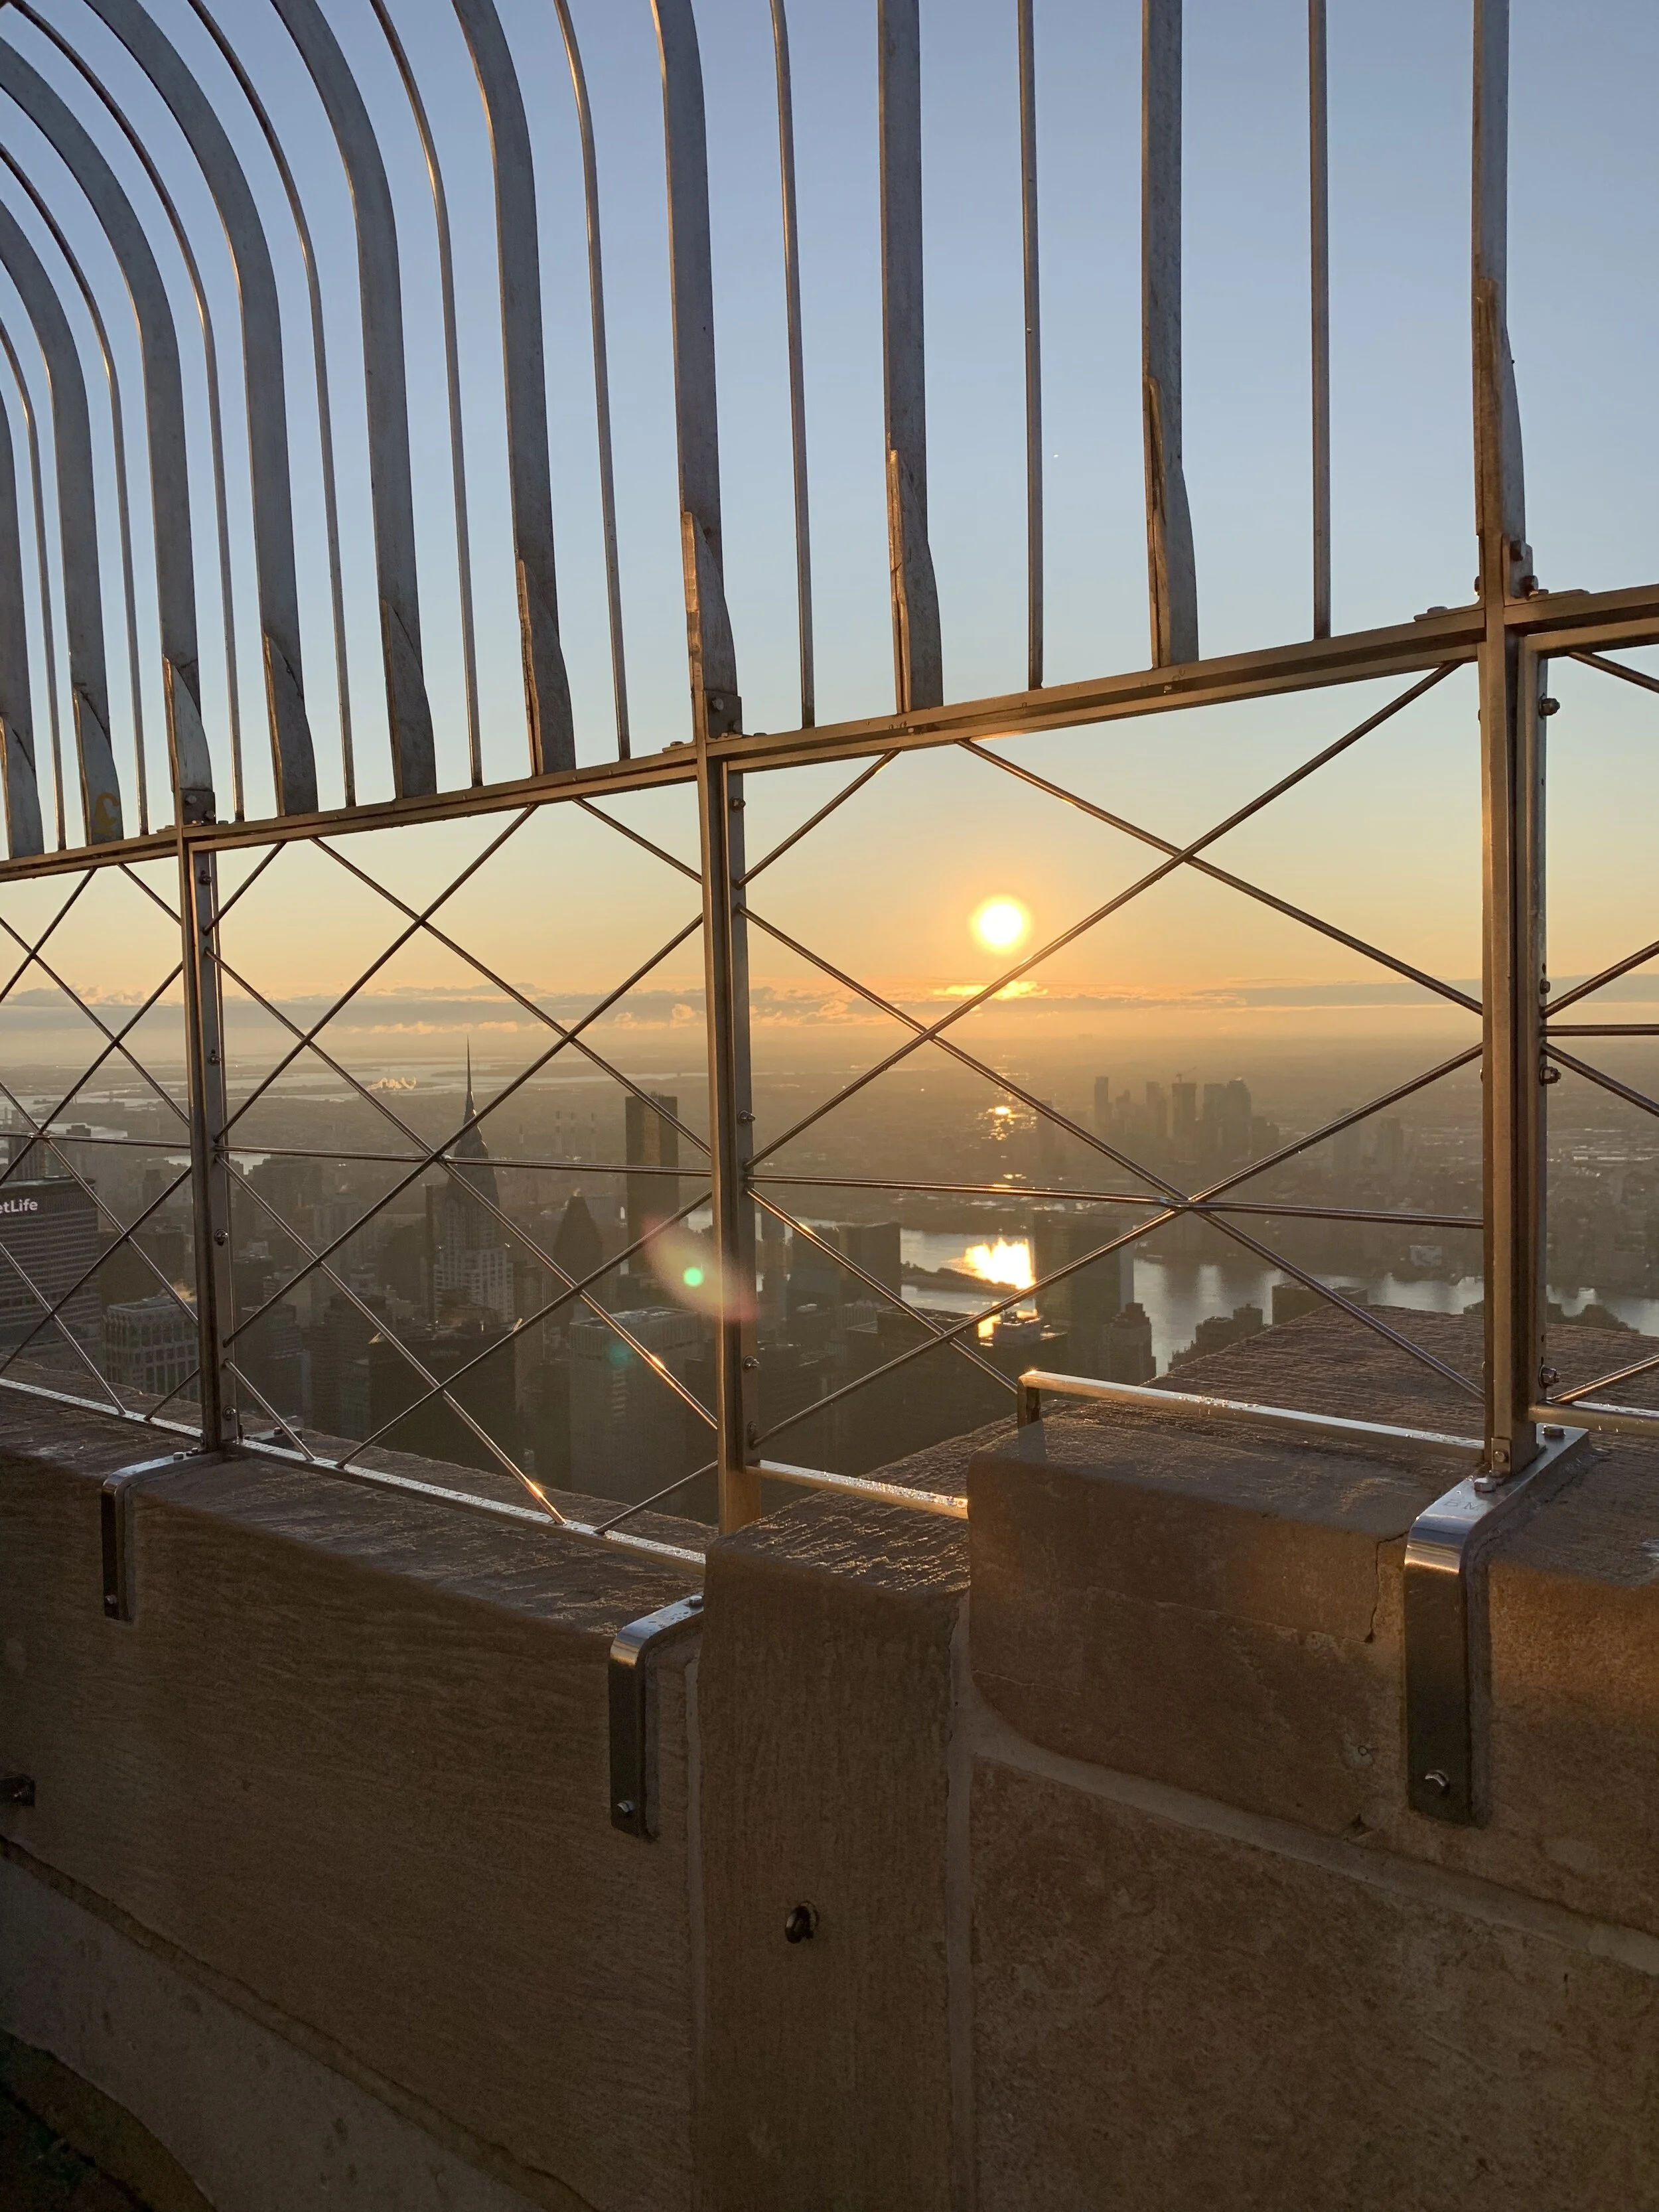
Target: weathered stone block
(1198, 1605)
(825, 1706)
(1169, 2018)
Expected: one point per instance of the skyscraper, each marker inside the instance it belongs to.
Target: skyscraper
(1184, 1119)
(467, 1260)
(49, 1233)
(151, 1343)
(653, 1142)
(628, 1429)
(1102, 1105)
(1085, 1302)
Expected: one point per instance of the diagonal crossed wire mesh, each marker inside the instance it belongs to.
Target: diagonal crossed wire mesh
(1597, 1205)
(1154, 1198)
(97, 1300)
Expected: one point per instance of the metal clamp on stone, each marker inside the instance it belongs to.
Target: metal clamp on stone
(635, 1651)
(115, 1513)
(1448, 1645)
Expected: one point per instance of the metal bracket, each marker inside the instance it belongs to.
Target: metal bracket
(115, 1506)
(634, 1653)
(1447, 1649)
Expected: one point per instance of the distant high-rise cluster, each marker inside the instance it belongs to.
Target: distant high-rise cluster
(1179, 1125)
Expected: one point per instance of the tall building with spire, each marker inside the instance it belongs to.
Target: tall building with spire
(468, 1265)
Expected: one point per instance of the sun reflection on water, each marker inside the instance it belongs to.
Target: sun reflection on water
(1006, 1263)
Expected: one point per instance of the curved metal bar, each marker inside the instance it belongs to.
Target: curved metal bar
(293, 759)
(601, 377)
(716, 708)
(18, 783)
(78, 522)
(414, 758)
(453, 385)
(215, 426)
(546, 684)
(918, 662)
(123, 508)
(809, 712)
(164, 413)
(1029, 240)
(1171, 574)
(319, 372)
(43, 569)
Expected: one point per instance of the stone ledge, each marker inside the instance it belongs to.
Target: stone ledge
(352, 1755)
(1220, 1611)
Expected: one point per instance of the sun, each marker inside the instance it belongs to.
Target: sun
(1000, 924)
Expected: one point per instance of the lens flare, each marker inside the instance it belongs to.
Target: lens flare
(1000, 924)
(687, 1269)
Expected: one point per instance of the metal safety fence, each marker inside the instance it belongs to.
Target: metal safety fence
(213, 1042)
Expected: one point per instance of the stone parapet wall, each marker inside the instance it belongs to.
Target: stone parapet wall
(1060, 1860)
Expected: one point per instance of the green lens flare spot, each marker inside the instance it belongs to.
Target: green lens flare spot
(692, 1278)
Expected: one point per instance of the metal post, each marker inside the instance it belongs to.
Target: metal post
(1511, 808)
(1171, 574)
(1319, 259)
(716, 706)
(918, 662)
(210, 1161)
(730, 1135)
(1030, 241)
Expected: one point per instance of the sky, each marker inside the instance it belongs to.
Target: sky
(1385, 843)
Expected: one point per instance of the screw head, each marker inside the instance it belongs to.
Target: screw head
(222, 1236)
(801, 1925)
(1549, 705)
(1555, 1435)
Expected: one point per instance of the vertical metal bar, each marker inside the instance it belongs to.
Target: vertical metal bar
(289, 731)
(1319, 258)
(918, 669)
(48, 623)
(1028, 200)
(730, 1135)
(210, 1160)
(1171, 577)
(601, 378)
(18, 784)
(796, 362)
(77, 525)
(1512, 688)
(392, 494)
(453, 387)
(518, 255)
(189, 745)
(164, 417)
(716, 708)
(1510, 759)
(276, 676)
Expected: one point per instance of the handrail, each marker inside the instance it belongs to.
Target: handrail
(1198, 1405)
